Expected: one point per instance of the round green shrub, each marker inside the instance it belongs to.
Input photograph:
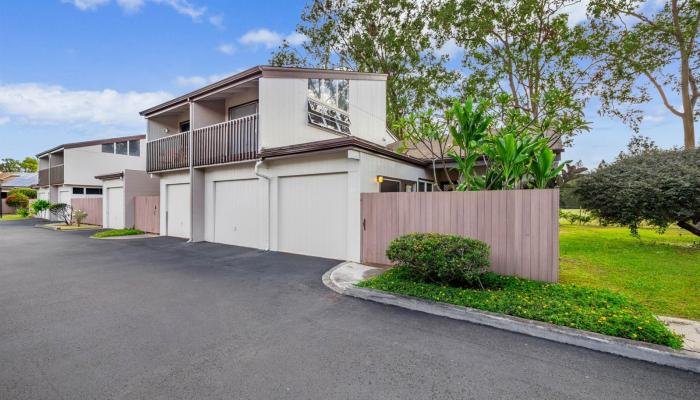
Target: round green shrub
(440, 258)
(40, 205)
(29, 192)
(18, 200)
(23, 212)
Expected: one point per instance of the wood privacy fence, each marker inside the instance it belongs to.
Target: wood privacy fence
(147, 213)
(93, 208)
(521, 226)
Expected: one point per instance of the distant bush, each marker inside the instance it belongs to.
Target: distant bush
(18, 200)
(23, 212)
(79, 216)
(40, 205)
(30, 193)
(61, 211)
(575, 218)
(440, 258)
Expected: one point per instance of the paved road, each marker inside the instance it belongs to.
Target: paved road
(162, 319)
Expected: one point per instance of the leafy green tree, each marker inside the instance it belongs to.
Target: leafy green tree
(380, 36)
(646, 49)
(10, 165)
(524, 55)
(658, 187)
(29, 164)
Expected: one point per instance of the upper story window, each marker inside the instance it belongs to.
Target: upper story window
(243, 110)
(328, 104)
(184, 126)
(131, 147)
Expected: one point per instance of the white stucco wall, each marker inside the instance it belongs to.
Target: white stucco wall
(82, 164)
(283, 112)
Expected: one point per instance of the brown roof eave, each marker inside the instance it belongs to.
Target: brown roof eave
(335, 144)
(110, 177)
(91, 143)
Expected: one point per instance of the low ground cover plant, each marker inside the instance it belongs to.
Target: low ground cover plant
(118, 232)
(23, 212)
(595, 310)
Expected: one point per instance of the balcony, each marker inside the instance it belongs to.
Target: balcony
(227, 142)
(56, 175)
(44, 177)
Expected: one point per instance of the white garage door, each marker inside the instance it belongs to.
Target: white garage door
(313, 215)
(115, 208)
(237, 218)
(178, 210)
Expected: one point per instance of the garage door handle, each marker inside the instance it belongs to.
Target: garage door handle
(364, 224)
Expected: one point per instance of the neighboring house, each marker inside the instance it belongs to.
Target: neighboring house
(276, 158)
(120, 190)
(15, 180)
(68, 171)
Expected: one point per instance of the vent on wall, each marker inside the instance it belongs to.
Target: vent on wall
(328, 117)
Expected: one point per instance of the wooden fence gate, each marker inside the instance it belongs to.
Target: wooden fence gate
(92, 206)
(521, 226)
(147, 213)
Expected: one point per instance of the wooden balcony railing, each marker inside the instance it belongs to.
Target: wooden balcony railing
(227, 142)
(56, 175)
(230, 141)
(44, 177)
(169, 152)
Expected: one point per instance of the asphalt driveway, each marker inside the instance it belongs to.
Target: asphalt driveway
(162, 319)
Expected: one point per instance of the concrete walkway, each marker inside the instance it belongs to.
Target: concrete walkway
(688, 328)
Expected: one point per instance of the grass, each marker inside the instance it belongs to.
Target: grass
(591, 309)
(661, 271)
(12, 217)
(60, 226)
(117, 232)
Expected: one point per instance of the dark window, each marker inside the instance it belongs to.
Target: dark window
(134, 148)
(93, 191)
(243, 110)
(184, 126)
(3, 195)
(108, 147)
(77, 190)
(389, 186)
(424, 186)
(122, 148)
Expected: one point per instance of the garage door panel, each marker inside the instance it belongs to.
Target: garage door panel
(313, 215)
(178, 210)
(237, 217)
(115, 208)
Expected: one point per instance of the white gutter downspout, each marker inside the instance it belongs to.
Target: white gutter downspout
(269, 217)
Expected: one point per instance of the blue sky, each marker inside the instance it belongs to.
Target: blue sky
(76, 70)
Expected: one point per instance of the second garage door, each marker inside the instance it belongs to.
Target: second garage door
(313, 215)
(115, 208)
(237, 218)
(178, 210)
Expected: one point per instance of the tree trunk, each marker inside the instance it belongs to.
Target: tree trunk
(688, 129)
(690, 227)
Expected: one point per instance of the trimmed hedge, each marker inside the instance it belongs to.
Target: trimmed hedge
(595, 310)
(118, 232)
(18, 200)
(29, 192)
(440, 258)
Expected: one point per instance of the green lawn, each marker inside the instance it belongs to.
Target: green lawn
(661, 271)
(117, 232)
(11, 217)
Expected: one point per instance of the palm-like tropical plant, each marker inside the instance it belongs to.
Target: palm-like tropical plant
(543, 169)
(469, 127)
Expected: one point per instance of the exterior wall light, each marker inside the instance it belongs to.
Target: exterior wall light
(379, 179)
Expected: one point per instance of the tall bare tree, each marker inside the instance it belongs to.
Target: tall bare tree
(646, 47)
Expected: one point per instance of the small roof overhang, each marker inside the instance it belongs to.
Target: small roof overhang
(110, 177)
(89, 143)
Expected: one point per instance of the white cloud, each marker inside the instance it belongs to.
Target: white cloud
(86, 5)
(262, 36)
(36, 103)
(226, 48)
(4, 120)
(184, 7)
(217, 21)
(577, 12)
(271, 39)
(296, 38)
(131, 5)
(450, 48)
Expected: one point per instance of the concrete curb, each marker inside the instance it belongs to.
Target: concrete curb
(648, 352)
